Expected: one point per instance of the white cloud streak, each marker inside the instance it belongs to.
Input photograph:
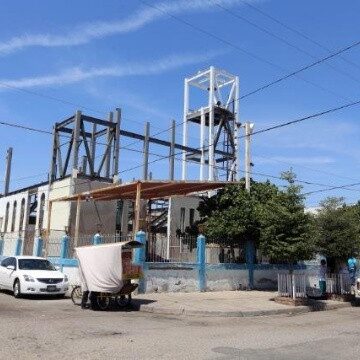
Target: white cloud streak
(85, 33)
(77, 74)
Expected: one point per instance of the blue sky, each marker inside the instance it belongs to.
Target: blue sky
(104, 55)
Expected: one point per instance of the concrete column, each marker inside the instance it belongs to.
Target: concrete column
(18, 247)
(1, 246)
(185, 129)
(8, 170)
(211, 147)
(201, 244)
(146, 151)
(139, 259)
(250, 257)
(172, 152)
(97, 239)
(38, 246)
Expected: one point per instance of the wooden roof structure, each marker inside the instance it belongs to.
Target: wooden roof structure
(148, 190)
(137, 191)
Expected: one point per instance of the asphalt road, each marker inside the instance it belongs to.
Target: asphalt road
(56, 329)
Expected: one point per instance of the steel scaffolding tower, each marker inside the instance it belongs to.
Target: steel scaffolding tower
(79, 138)
(218, 118)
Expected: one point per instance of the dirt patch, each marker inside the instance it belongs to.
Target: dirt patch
(290, 301)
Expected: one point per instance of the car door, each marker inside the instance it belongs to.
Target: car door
(12, 273)
(4, 272)
(9, 274)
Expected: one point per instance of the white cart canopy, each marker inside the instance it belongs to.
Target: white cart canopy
(100, 266)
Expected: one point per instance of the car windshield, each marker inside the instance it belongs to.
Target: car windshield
(35, 264)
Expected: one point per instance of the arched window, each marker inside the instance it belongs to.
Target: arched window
(41, 211)
(22, 215)
(6, 217)
(13, 219)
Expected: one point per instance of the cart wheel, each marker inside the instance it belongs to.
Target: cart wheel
(123, 301)
(76, 295)
(103, 301)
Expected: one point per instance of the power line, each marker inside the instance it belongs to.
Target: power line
(67, 102)
(238, 48)
(281, 125)
(305, 167)
(331, 188)
(19, 126)
(304, 68)
(282, 40)
(297, 32)
(321, 113)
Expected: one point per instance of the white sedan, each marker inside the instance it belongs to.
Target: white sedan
(32, 275)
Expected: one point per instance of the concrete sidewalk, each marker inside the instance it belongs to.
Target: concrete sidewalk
(225, 304)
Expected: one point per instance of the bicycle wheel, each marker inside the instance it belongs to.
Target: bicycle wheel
(76, 295)
(103, 301)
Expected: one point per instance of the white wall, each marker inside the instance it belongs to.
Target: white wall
(11, 199)
(94, 213)
(174, 280)
(60, 212)
(221, 279)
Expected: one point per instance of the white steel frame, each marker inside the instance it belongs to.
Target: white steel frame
(221, 87)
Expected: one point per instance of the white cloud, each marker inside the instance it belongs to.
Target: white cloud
(85, 33)
(78, 74)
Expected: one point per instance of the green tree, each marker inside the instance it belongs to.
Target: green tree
(286, 229)
(274, 219)
(233, 213)
(337, 229)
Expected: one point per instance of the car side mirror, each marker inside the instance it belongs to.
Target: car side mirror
(11, 267)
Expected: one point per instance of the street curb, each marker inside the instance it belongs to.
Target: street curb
(287, 311)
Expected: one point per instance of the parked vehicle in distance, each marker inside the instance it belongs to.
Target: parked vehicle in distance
(31, 275)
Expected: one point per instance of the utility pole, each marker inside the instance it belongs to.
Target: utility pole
(146, 151)
(248, 131)
(8, 170)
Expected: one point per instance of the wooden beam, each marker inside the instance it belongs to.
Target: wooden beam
(77, 222)
(137, 208)
(47, 239)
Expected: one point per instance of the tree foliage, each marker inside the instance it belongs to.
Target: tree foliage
(274, 219)
(286, 231)
(337, 228)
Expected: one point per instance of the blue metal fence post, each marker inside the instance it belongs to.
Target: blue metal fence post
(97, 239)
(64, 247)
(38, 246)
(1, 246)
(18, 246)
(250, 255)
(201, 243)
(139, 259)
(64, 250)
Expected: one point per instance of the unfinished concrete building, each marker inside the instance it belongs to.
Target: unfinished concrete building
(79, 164)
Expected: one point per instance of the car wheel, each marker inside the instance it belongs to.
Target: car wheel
(17, 291)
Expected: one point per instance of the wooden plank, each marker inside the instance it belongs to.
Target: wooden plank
(148, 188)
(47, 239)
(137, 208)
(77, 222)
